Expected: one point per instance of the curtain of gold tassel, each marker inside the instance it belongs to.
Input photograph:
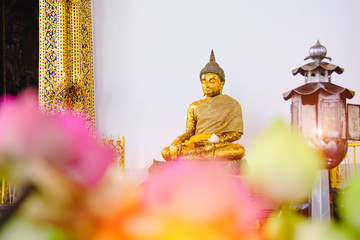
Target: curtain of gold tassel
(66, 81)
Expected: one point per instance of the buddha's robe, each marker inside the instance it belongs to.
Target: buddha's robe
(219, 114)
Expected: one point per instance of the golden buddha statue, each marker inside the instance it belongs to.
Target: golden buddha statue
(213, 123)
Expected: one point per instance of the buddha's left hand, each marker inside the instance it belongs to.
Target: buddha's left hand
(200, 138)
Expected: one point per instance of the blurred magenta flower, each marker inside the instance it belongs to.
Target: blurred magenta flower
(187, 201)
(200, 192)
(82, 158)
(29, 138)
(199, 200)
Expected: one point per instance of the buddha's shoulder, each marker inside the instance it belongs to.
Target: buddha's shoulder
(196, 103)
(227, 98)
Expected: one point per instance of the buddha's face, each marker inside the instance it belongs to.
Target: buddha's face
(211, 84)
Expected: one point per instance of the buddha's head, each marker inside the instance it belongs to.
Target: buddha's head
(211, 84)
(212, 77)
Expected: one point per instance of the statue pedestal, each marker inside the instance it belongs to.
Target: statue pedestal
(238, 167)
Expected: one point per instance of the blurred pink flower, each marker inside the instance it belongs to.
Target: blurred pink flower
(20, 126)
(187, 201)
(28, 137)
(199, 194)
(82, 158)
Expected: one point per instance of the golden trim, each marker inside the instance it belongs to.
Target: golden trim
(119, 151)
(341, 175)
(66, 80)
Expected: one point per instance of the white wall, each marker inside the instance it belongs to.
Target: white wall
(148, 55)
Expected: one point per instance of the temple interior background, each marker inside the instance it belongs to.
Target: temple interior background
(130, 68)
(148, 55)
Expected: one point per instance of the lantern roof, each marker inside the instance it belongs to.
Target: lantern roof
(321, 65)
(317, 53)
(315, 87)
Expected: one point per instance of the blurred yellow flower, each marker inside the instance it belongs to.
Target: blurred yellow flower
(308, 230)
(282, 166)
(349, 202)
(281, 225)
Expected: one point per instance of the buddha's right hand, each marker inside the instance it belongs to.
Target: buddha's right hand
(175, 149)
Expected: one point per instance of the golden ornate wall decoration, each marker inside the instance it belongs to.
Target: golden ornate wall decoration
(345, 173)
(118, 147)
(66, 80)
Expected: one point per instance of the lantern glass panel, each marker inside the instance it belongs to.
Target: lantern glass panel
(308, 121)
(295, 114)
(330, 123)
(354, 122)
